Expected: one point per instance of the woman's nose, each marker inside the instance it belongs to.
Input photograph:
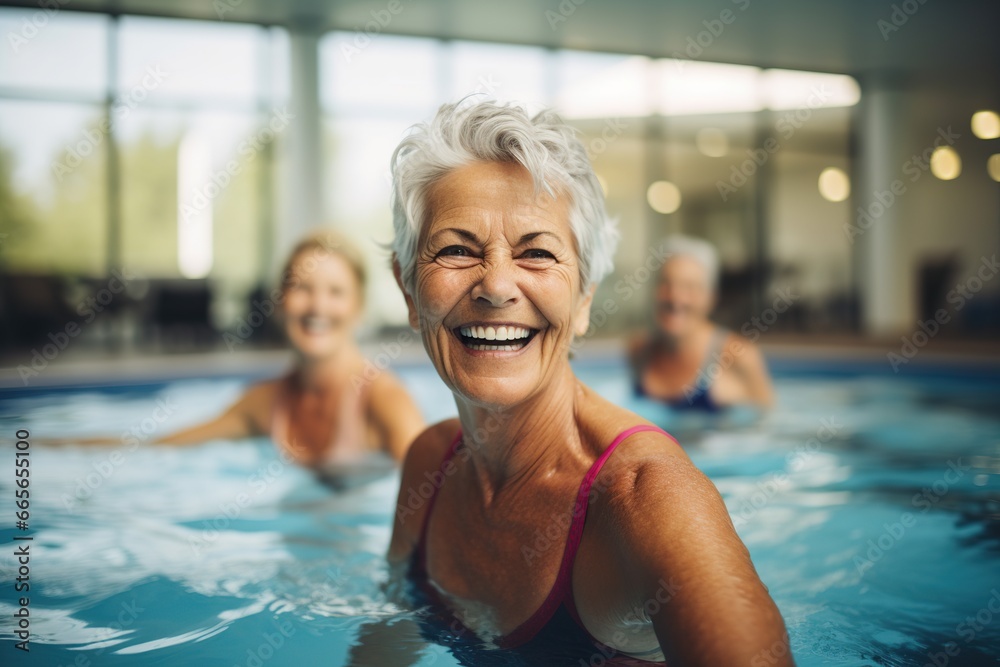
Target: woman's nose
(498, 286)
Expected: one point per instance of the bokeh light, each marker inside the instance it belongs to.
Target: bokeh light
(664, 197)
(993, 167)
(945, 163)
(834, 185)
(986, 124)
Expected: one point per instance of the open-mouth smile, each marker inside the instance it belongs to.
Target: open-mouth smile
(317, 326)
(494, 338)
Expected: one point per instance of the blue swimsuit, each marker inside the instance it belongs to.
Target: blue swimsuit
(701, 398)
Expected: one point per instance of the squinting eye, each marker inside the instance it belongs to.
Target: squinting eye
(537, 253)
(455, 251)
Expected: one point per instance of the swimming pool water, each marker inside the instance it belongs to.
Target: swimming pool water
(870, 505)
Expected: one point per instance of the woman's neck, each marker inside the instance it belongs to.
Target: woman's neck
(534, 439)
(692, 340)
(323, 373)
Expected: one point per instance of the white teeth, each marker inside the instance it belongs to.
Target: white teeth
(315, 323)
(497, 348)
(495, 333)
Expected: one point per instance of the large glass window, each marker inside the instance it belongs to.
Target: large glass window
(154, 143)
(141, 144)
(53, 188)
(61, 54)
(53, 148)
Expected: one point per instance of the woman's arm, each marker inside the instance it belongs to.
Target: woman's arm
(752, 368)
(242, 419)
(637, 354)
(236, 422)
(396, 417)
(718, 611)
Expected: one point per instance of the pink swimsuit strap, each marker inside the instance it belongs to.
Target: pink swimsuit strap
(562, 589)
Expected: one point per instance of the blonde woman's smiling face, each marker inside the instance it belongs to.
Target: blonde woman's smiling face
(497, 294)
(322, 304)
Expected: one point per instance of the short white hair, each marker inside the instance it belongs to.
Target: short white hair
(543, 144)
(699, 250)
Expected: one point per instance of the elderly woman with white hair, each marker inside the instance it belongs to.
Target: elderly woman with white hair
(688, 361)
(545, 515)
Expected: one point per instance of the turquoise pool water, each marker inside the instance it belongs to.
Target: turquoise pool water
(870, 504)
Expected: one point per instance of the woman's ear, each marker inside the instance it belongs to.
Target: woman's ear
(411, 308)
(581, 320)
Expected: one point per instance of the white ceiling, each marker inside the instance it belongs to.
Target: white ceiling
(953, 42)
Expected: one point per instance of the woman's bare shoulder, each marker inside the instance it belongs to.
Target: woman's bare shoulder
(266, 388)
(429, 448)
(261, 395)
(637, 344)
(256, 405)
(600, 422)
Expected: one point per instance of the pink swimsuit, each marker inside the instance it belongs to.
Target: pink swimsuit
(561, 595)
(348, 435)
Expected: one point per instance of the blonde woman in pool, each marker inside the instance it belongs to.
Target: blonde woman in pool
(326, 411)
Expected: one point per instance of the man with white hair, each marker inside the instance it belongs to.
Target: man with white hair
(688, 361)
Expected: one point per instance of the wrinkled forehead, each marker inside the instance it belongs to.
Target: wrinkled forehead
(493, 196)
(683, 268)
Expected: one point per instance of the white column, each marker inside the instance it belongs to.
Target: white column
(886, 281)
(301, 205)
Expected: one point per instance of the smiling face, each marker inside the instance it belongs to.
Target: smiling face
(684, 298)
(497, 294)
(322, 303)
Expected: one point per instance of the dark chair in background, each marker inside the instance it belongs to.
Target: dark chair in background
(31, 308)
(180, 314)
